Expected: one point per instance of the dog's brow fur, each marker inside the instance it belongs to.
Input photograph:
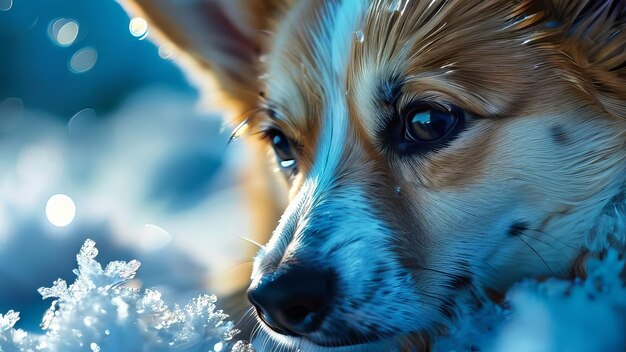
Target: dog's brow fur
(431, 40)
(511, 60)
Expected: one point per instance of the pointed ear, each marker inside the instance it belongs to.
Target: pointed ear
(592, 35)
(214, 40)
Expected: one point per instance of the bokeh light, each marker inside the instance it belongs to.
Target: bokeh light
(5, 5)
(165, 52)
(11, 110)
(218, 347)
(60, 210)
(153, 238)
(138, 27)
(82, 121)
(63, 31)
(83, 60)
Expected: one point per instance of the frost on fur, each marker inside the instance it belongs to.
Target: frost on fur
(97, 312)
(554, 315)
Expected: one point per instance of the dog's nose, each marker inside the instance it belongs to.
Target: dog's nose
(293, 301)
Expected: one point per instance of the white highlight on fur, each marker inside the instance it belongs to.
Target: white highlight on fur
(336, 40)
(272, 341)
(399, 6)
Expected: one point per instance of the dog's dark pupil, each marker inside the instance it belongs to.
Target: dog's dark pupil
(282, 148)
(429, 125)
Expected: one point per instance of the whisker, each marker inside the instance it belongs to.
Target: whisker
(468, 283)
(256, 329)
(537, 253)
(246, 318)
(238, 130)
(252, 241)
(238, 263)
(553, 237)
(520, 233)
(250, 115)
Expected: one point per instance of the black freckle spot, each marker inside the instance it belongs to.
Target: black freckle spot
(460, 281)
(558, 134)
(262, 94)
(447, 310)
(517, 228)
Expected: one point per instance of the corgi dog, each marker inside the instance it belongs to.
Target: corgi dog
(434, 152)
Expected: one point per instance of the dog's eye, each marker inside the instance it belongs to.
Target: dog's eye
(422, 127)
(426, 124)
(282, 148)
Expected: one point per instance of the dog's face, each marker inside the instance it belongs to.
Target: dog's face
(434, 151)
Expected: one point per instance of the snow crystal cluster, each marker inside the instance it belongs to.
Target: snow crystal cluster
(554, 315)
(98, 312)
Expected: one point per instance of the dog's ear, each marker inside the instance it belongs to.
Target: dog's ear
(592, 36)
(220, 39)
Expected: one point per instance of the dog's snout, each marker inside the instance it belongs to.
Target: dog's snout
(293, 301)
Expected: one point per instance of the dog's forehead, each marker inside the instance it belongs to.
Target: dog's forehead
(311, 53)
(472, 54)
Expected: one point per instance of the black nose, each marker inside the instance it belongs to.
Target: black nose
(293, 301)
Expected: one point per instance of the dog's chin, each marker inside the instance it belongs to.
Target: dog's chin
(269, 340)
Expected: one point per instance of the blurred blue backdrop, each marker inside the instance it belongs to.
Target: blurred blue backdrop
(35, 67)
(91, 109)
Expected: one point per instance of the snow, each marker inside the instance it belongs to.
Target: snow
(554, 315)
(99, 311)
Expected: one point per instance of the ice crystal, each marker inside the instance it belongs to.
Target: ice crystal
(359, 37)
(241, 346)
(8, 320)
(97, 311)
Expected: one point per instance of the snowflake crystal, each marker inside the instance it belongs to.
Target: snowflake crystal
(97, 312)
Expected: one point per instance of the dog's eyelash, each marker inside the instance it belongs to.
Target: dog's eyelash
(266, 133)
(435, 101)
